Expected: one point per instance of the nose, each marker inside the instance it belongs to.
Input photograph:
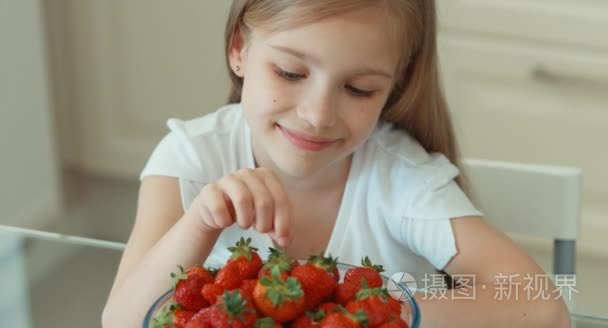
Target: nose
(319, 109)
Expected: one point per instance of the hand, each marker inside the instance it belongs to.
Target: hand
(249, 197)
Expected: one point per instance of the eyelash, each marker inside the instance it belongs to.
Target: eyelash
(294, 77)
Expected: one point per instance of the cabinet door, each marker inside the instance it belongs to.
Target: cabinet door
(134, 64)
(573, 22)
(531, 104)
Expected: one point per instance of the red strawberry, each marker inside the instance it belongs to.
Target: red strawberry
(303, 321)
(228, 277)
(246, 259)
(280, 259)
(345, 293)
(328, 307)
(182, 317)
(232, 310)
(317, 279)
(247, 287)
(211, 292)
(187, 286)
(308, 320)
(279, 298)
(394, 322)
(374, 302)
(368, 271)
(267, 323)
(395, 306)
(341, 319)
(201, 319)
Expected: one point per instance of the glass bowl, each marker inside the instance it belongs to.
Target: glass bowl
(397, 289)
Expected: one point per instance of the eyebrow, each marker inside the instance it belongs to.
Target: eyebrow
(303, 56)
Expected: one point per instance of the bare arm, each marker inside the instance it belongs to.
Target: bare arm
(487, 253)
(162, 237)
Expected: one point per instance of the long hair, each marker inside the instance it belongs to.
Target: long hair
(416, 103)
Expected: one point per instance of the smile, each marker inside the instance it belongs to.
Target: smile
(305, 142)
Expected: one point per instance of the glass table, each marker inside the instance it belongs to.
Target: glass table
(53, 280)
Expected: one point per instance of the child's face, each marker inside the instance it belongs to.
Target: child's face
(327, 81)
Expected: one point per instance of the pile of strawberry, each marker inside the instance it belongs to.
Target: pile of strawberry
(281, 292)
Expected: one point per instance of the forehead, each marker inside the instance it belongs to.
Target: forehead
(365, 36)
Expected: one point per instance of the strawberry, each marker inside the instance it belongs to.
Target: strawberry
(246, 258)
(228, 277)
(395, 306)
(368, 271)
(394, 322)
(182, 317)
(374, 302)
(328, 307)
(280, 259)
(187, 286)
(247, 287)
(201, 319)
(232, 310)
(279, 298)
(172, 315)
(211, 292)
(345, 293)
(303, 321)
(317, 279)
(308, 320)
(267, 323)
(343, 319)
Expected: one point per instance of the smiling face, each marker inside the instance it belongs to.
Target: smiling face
(312, 94)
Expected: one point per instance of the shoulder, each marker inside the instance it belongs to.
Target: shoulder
(221, 121)
(195, 149)
(395, 155)
(407, 180)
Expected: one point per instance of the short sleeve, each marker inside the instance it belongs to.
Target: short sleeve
(426, 228)
(175, 155)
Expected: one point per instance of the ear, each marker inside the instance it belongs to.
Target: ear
(236, 54)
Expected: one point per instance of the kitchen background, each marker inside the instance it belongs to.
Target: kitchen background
(87, 85)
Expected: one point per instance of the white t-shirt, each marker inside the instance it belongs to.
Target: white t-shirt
(396, 206)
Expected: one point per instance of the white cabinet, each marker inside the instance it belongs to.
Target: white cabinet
(128, 66)
(528, 81)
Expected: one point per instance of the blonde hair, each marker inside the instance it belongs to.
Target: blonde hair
(416, 104)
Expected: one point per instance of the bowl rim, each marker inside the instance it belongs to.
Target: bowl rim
(410, 300)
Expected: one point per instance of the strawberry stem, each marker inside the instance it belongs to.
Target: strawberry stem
(366, 262)
(279, 291)
(243, 248)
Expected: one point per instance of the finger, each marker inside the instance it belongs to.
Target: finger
(281, 204)
(214, 207)
(241, 199)
(262, 201)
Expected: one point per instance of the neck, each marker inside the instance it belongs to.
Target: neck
(326, 180)
(321, 182)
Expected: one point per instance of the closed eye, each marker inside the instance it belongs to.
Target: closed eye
(358, 92)
(290, 76)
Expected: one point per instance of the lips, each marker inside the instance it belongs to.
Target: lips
(304, 141)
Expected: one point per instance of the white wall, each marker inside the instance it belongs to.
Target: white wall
(29, 186)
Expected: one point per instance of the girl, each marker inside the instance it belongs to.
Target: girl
(337, 139)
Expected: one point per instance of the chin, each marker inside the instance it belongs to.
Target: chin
(296, 167)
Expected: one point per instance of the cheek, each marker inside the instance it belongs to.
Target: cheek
(362, 120)
(266, 90)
